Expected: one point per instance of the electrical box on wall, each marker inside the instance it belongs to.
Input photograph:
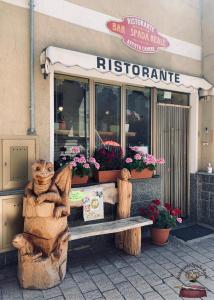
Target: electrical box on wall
(206, 132)
(11, 222)
(16, 157)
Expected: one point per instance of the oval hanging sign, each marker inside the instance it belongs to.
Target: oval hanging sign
(138, 34)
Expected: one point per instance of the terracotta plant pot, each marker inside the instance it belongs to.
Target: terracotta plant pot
(107, 176)
(145, 173)
(62, 125)
(79, 180)
(160, 236)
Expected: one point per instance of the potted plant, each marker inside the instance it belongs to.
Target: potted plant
(164, 219)
(109, 158)
(141, 165)
(82, 168)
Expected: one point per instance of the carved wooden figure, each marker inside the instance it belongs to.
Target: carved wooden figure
(42, 248)
(130, 240)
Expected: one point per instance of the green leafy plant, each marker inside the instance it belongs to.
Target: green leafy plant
(162, 216)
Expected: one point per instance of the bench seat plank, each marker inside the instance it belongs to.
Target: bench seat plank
(84, 231)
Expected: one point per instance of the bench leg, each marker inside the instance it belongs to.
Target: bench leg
(132, 241)
(120, 239)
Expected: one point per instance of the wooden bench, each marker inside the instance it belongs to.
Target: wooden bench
(127, 230)
(84, 231)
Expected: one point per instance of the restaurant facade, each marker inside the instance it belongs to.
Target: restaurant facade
(82, 73)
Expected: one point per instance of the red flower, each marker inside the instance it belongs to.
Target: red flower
(156, 202)
(178, 211)
(152, 208)
(152, 218)
(173, 213)
(168, 206)
(156, 213)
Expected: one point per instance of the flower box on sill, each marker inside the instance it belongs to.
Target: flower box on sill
(107, 176)
(79, 180)
(143, 174)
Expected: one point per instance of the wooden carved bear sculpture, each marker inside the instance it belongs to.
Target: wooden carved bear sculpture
(43, 245)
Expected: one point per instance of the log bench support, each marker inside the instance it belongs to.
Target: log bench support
(131, 241)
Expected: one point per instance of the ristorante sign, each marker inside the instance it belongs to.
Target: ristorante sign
(138, 34)
(55, 59)
(133, 70)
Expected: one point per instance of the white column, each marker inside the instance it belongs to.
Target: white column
(51, 116)
(193, 131)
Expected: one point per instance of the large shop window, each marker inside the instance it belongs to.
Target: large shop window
(108, 114)
(138, 118)
(71, 114)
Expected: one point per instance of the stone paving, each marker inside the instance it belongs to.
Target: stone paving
(112, 275)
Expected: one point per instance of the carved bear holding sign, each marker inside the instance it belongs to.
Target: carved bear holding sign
(43, 245)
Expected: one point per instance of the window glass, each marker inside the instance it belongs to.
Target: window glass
(138, 118)
(168, 97)
(108, 107)
(71, 115)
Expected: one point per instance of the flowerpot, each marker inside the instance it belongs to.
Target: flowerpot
(160, 236)
(79, 180)
(62, 125)
(107, 176)
(145, 173)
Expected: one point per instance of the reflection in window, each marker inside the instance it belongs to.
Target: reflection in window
(138, 120)
(107, 114)
(71, 115)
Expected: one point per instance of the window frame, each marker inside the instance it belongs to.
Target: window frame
(92, 107)
(82, 80)
(141, 89)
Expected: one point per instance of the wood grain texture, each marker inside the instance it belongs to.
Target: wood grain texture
(42, 248)
(132, 241)
(80, 232)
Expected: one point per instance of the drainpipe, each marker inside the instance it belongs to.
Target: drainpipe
(32, 129)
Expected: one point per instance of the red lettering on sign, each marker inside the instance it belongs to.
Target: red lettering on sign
(138, 34)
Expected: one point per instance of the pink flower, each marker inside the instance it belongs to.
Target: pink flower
(160, 161)
(179, 220)
(64, 158)
(129, 160)
(150, 160)
(76, 159)
(134, 148)
(75, 149)
(92, 160)
(137, 156)
(82, 160)
(97, 165)
(86, 166)
(73, 164)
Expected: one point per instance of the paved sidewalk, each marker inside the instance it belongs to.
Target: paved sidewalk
(112, 275)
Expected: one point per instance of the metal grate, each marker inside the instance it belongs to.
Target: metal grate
(172, 136)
